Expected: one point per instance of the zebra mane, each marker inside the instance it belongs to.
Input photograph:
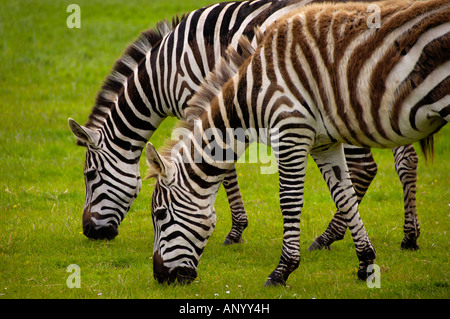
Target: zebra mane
(210, 87)
(166, 149)
(124, 67)
(226, 68)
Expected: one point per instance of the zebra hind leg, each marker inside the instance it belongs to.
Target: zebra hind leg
(238, 215)
(335, 231)
(362, 169)
(333, 167)
(406, 161)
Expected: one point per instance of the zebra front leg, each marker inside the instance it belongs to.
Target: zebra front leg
(333, 167)
(406, 161)
(363, 169)
(239, 219)
(291, 184)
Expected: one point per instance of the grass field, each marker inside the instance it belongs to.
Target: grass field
(49, 72)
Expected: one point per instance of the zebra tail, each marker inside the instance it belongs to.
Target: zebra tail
(427, 146)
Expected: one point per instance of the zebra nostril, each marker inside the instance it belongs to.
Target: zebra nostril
(105, 232)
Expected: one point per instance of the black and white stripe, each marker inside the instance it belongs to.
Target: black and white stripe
(155, 78)
(362, 168)
(311, 88)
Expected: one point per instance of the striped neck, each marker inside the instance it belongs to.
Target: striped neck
(129, 106)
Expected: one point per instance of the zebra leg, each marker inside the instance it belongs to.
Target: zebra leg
(292, 169)
(362, 168)
(238, 215)
(333, 167)
(406, 161)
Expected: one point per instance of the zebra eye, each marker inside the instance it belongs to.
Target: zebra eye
(90, 175)
(160, 213)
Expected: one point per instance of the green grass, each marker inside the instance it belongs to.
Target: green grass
(49, 73)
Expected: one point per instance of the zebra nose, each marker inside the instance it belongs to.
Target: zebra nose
(93, 231)
(163, 274)
(185, 275)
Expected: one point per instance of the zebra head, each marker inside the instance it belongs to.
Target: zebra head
(182, 220)
(111, 184)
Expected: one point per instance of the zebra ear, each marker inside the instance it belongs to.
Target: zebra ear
(157, 164)
(83, 134)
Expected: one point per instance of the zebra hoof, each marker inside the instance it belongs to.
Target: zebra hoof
(278, 279)
(231, 241)
(409, 244)
(316, 246)
(362, 274)
(273, 282)
(362, 270)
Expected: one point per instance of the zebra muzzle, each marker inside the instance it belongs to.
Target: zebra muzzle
(93, 231)
(163, 274)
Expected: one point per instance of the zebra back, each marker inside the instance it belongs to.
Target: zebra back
(335, 57)
(224, 70)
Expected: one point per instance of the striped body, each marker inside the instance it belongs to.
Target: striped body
(320, 77)
(155, 78)
(362, 81)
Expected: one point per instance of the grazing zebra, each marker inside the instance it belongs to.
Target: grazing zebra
(154, 79)
(320, 77)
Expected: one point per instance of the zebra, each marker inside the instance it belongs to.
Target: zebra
(319, 77)
(155, 77)
(136, 97)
